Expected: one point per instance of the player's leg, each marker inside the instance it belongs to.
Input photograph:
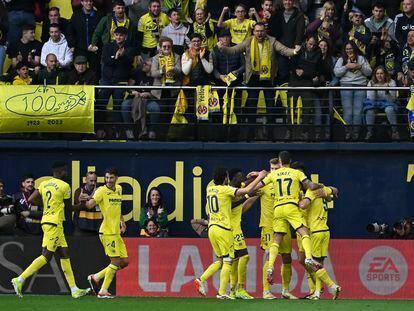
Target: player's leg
(225, 242)
(234, 275)
(68, 272)
(285, 249)
(310, 274)
(320, 245)
(242, 272)
(35, 266)
(213, 236)
(265, 241)
(50, 243)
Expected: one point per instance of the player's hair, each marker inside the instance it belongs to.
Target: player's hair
(172, 10)
(220, 175)
(298, 166)
(91, 173)
(274, 161)
(233, 172)
(284, 157)
(58, 167)
(111, 171)
(27, 176)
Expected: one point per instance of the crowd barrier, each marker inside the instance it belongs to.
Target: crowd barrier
(209, 113)
(366, 269)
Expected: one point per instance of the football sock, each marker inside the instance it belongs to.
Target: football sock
(273, 252)
(224, 277)
(307, 246)
(213, 268)
(234, 274)
(266, 285)
(67, 271)
(322, 274)
(109, 275)
(286, 272)
(35, 266)
(242, 270)
(101, 274)
(310, 275)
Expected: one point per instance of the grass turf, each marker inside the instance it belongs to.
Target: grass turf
(63, 303)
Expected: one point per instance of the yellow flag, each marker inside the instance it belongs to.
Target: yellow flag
(298, 109)
(261, 103)
(225, 102)
(337, 116)
(233, 118)
(410, 105)
(202, 100)
(181, 105)
(292, 111)
(245, 94)
(214, 102)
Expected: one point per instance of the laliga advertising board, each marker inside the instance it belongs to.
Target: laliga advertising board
(370, 269)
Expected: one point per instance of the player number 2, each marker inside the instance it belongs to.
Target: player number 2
(213, 205)
(284, 184)
(49, 196)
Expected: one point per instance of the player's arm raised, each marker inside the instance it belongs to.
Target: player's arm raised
(308, 184)
(252, 186)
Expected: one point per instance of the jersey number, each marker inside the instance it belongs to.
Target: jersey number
(213, 205)
(284, 186)
(49, 196)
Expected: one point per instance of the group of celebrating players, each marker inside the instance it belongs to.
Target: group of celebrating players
(55, 195)
(288, 199)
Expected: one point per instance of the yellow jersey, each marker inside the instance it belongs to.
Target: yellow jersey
(54, 191)
(219, 205)
(236, 215)
(317, 211)
(109, 202)
(286, 183)
(267, 199)
(239, 32)
(151, 27)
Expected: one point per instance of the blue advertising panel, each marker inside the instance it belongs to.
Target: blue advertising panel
(375, 181)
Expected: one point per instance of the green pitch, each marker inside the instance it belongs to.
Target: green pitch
(63, 303)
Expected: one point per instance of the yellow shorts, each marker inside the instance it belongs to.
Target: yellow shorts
(53, 237)
(113, 245)
(238, 239)
(221, 240)
(320, 244)
(285, 215)
(266, 237)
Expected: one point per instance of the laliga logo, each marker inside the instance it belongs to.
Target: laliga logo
(383, 270)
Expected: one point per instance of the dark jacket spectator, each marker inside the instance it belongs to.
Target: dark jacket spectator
(404, 22)
(116, 68)
(355, 30)
(291, 32)
(54, 18)
(81, 74)
(7, 215)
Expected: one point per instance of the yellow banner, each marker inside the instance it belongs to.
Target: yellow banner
(202, 99)
(58, 108)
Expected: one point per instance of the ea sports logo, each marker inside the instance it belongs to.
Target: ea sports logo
(383, 270)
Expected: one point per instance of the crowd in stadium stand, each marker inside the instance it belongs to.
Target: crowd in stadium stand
(221, 42)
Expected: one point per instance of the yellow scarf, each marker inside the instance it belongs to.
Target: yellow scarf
(168, 61)
(260, 61)
(361, 29)
(115, 24)
(191, 54)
